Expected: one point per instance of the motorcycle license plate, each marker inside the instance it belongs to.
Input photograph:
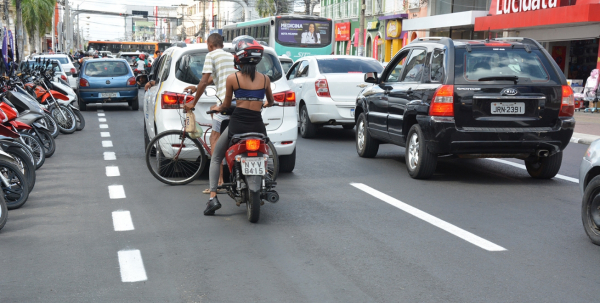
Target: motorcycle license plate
(508, 108)
(253, 166)
(109, 95)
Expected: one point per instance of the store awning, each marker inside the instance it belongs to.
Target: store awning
(558, 17)
(442, 21)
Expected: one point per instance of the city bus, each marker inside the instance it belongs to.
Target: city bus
(117, 46)
(291, 35)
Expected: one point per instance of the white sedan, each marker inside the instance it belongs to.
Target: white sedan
(326, 88)
(182, 67)
(67, 66)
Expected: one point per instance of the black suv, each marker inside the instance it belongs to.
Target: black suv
(502, 98)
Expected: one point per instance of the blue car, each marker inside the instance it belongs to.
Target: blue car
(107, 81)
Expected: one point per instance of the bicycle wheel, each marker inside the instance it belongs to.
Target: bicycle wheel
(273, 164)
(178, 160)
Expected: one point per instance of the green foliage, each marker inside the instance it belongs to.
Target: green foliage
(37, 14)
(265, 8)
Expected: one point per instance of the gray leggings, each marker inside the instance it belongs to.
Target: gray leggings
(218, 153)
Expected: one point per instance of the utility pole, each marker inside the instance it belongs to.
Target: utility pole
(19, 30)
(203, 20)
(361, 26)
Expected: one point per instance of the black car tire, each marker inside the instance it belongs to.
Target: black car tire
(590, 212)
(348, 126)
(287, 163)
(135, 104)
(81, 103)
(147, 141)
(366, 146)
(544, 168)
(307, 128)
(420, 162)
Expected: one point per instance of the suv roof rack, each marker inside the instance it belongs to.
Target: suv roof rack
(523, 40)
(447, 42)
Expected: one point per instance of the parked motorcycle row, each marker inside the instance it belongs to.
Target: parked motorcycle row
(35, 107)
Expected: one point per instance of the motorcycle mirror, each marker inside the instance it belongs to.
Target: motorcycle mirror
(210, 92)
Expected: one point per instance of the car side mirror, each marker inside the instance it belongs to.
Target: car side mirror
(371, 78)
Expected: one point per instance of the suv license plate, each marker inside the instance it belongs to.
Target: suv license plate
(253, 166)
(109, 95)
(508, 108)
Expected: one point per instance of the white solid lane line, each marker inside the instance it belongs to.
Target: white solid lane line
(521, 166)
(104, 134)
(457, 231)
(112, 171)
(103, 125)
(122, 220)
(116, 191)
(101, 119)
(132, 266)
(107, 143)
(101, 114)
(110, 156)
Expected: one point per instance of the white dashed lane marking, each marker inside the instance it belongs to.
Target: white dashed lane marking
(101, 119)
(112, 171)
(103, 125)
(107, 143)
(455, 230)
(110, 156)
(521, 166)
(116, 191)
(122, 220)
(101, 114)
(132, 266)
(104, 134)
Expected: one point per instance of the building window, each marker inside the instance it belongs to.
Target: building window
(455, 6)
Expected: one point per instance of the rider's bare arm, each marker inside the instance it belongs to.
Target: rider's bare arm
(228, 93)
(269, 93)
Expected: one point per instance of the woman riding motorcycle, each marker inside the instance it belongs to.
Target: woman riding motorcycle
(250, 88)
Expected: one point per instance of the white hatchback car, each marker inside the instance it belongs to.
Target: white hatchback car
(182, 67)
(67, 66)
(326, 88)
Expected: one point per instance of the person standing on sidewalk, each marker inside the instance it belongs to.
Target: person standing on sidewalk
(218, 65)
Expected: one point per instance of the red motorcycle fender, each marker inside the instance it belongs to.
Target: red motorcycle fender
(19, 125)
(8, 132)
(58, 95)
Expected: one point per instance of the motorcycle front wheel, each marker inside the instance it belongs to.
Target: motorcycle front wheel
(18, 192)
(65, 119)
(51, 124)
(80, 120)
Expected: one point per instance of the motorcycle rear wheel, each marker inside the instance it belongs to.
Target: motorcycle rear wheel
(253, 205)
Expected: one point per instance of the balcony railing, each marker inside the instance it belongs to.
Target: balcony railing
(344, 9)
(369, 7)
(354, 9)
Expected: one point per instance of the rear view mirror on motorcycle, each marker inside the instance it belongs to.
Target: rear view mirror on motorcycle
(210, 92)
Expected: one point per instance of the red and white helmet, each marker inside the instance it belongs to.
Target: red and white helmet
(246, 50)
(142, 56)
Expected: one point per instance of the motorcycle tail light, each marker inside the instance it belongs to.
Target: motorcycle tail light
(83, 82)
(252, 154)
(252, 144)
(131, 81)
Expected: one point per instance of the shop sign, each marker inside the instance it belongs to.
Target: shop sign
(376, 48)
(342, 31)
(516, 6)
(372, 25)
(393, 29)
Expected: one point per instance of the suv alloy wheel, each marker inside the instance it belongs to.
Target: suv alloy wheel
(420, 163)
(366, 146)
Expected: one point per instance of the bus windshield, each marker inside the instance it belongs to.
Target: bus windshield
(304, 32)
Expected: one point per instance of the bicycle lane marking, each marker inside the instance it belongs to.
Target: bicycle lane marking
(437, 222)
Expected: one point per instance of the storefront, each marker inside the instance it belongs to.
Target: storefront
(568, 29)
(393, 35)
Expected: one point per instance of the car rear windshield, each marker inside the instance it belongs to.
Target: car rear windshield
(286, 65)
(106, 69)
(62, 60)
(483, 64)
(189, 67)
(129, 58)
(348, 65)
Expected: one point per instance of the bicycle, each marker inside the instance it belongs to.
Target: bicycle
(175, 158)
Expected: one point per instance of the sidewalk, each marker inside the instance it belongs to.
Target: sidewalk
(587, 127)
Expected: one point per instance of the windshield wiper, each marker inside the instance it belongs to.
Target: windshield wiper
(495, 78)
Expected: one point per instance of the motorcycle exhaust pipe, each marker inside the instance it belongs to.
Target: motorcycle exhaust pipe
(543, 153)
(272, 196)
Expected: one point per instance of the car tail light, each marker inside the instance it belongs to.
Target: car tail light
(322, 88)
(131, 81)
(83, 82)
(73, 70)
(442, 103)
(170, 100)
(252, 144)
(63, 77)
(287, 98)
(567, 104)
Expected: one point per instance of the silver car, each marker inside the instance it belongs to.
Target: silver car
(589, 183)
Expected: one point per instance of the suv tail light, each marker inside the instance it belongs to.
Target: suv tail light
(83, 82)
(131, 81)
(322, 88)
(170, 100)
(63, 77)
(73, 71)
(287, 98)
(567, 104)
(442, 103)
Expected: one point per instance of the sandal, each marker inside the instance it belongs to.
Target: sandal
(206, 191)
(219, 191)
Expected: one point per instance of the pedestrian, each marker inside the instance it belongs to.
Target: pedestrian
(154, 70)
(218, 65)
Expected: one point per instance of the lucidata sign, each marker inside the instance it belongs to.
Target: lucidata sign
(516, 6)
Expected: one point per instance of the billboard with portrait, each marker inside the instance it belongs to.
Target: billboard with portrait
(304, 32)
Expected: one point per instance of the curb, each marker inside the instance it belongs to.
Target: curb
(586, 141)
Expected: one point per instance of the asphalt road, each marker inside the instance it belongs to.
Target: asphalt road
(346, 229)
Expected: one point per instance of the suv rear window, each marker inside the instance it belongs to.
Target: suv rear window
(348, 65)
(488, 62)
(190, 71)
(106, 69)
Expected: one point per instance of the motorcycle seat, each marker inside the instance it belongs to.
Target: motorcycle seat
(237, 138)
